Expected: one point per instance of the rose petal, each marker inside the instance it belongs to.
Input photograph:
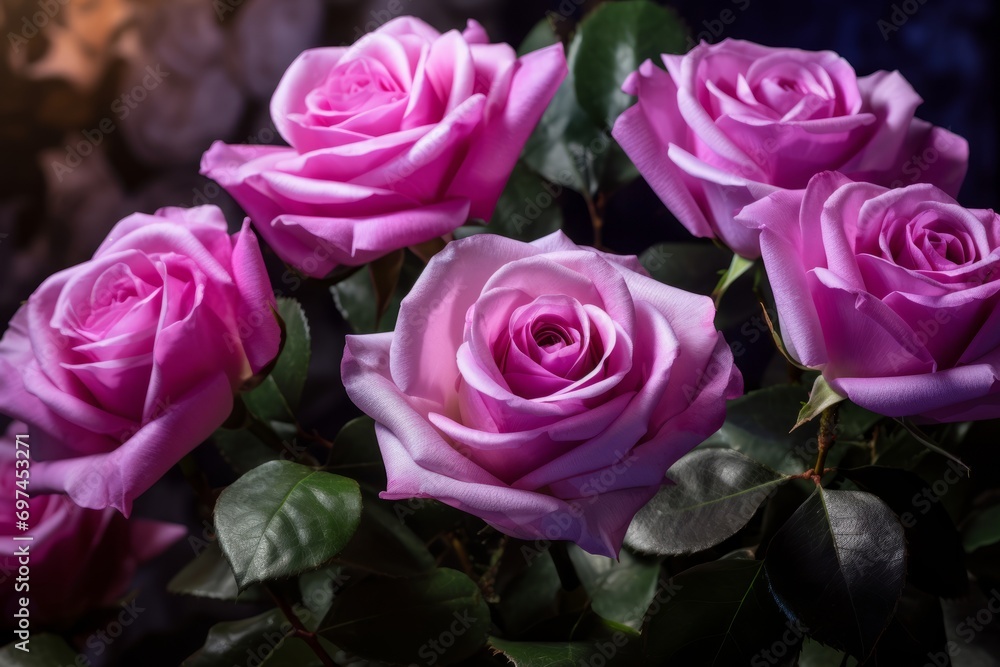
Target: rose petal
(256, 302)
(115, 479)
(325, 242)
(513, 110)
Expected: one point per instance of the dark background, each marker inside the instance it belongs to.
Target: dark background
(66, 83)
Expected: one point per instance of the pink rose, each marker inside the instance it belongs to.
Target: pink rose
(79, 558)
(893, 294)
(729, 123)
(123, 364)
(543, 387)
(395, 141)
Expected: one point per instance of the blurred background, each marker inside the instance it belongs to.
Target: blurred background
(107, 105)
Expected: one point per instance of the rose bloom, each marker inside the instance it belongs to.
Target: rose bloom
(729, 123)
(80, 558)
(123, 364)
(395, 141)
(893, 294)
(543, 387)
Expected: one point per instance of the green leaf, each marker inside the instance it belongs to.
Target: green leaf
(544, 654)
(620, 591)
(567, 147)
(356, 453)
(209, 576)
(229, 643)
(294, 652)
(541, 35)
(715, 615)
(715, 492)
(854, 422)
(935, 559)
(926, 441)
(982, 529)
(693, 267)
(618, 170)
(283, 518)
(838, 566)
(528, 209)
(437, 618)
(317, 589)
(44, 650)
(815, 654)
(293, 364)
(757, 424)
(571, 149)
(267, 403)
(242, 450)
(737, 268)
(385, 273)
(357, 301)
(821, 397)
(615, 39)
(278, 396)
(916, 631)
(383, 544)
(978, 643)
(531, 595)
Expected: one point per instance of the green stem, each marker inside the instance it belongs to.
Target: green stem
(827, 436)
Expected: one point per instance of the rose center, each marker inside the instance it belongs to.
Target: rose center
(929, 241)
(798, 90)
(355, 86)
(115, 287)
(550, 337)
(789, 86)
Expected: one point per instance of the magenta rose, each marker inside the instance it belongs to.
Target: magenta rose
(543, 387)
(892, 294)
(727, 124)
(79, 558)
(395, 141)
(123, 364)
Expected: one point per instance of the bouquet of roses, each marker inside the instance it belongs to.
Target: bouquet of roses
(559, 461)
